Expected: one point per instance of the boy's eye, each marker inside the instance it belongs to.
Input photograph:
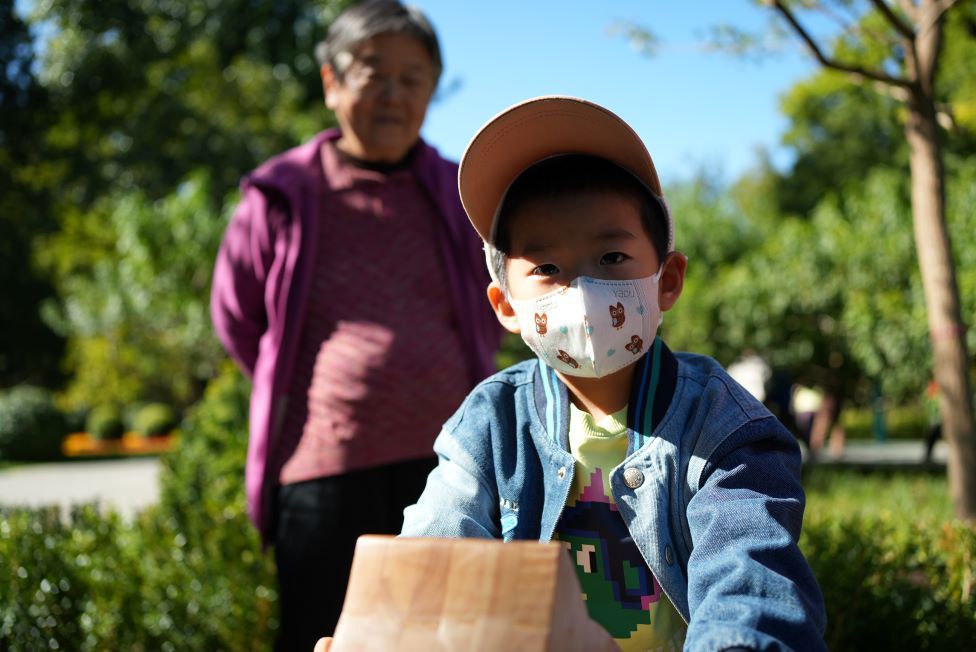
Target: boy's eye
(547, 269)
(613, 258)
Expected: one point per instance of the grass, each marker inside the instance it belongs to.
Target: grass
(904, 495)
(901, 422)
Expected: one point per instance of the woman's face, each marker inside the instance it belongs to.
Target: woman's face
(381, 99)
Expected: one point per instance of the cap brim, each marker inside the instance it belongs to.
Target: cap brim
(536, 129)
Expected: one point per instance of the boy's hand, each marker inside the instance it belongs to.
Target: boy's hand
(323, 645)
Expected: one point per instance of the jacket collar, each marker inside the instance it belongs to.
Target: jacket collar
(300, 168)
(655, 379)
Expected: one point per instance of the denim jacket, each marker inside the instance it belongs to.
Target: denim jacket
(709, 490)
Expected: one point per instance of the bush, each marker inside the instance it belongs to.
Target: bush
(188, 574)
(896, 571)
(97, 582)
(31, 427)
(154, 419)
(901, 422)
(105, 422)
(893, 584)
(202, 481)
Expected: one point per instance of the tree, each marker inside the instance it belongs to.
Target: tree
(144, 92)
(29, 350)
(759, 280)
(912, 43)
(919, 57)
(153, 113)
(137, 315)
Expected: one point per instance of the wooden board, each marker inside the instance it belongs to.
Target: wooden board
(463, 594)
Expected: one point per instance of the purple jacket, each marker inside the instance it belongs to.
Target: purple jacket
(261, 281)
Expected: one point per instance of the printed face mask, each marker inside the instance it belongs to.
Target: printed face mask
(593, 327)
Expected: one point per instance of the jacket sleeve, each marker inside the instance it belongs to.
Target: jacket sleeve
(237, 295)
(458, 500)
(749, 585)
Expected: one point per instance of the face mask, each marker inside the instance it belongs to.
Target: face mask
(592, 328)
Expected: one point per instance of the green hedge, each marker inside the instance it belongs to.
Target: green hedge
(97, 582)
(31, 427)
(901, 422)
(189, 574)
(105, 422)
(892, 585)
(154, 419)
(101, 583)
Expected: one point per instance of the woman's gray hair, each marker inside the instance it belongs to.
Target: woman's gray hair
(370, 18)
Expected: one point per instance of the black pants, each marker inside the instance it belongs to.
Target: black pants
(317, 525)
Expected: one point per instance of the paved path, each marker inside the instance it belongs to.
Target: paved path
(131, 484)
(126, 485)
(887, 454)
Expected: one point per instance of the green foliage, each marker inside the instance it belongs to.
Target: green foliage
(909, 421)
(900, 495)
(188, 574)
(201, 483)
(893, 585)
(155, 419)
(839, 131)
(108, 110)
(105, 422)
(30, 352)
(835, 298)
(713, 231)
(97, 582)
(891, 578)
(31, 427)
(142, 92)
(896, 571)
(956, 79)
(135, 277)
(512, 350)
(841, 128)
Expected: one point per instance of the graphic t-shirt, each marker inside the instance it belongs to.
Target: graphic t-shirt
(620, 591)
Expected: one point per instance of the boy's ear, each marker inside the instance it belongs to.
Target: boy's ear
(503, 309)
(672, 280)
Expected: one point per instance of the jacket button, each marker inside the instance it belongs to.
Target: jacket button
(668, 555)
(561, 473)
(633, 477)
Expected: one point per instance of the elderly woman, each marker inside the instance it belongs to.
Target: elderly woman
(349, 287)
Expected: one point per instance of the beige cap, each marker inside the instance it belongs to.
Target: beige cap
(539, 128)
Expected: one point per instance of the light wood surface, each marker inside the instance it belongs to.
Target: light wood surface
(433, 595)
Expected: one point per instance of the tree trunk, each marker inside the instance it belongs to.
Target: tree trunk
(951, 359)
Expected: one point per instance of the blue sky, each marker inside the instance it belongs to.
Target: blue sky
(693, 108)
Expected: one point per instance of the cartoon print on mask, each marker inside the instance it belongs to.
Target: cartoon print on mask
(617, 316)
(540, 323)
(568, 359)
(636, 345)
(617, 585)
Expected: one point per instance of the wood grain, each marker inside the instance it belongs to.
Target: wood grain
(429, 595)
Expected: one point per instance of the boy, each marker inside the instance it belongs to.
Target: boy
(676, 493)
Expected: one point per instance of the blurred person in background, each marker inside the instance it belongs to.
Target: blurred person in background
(350, 288)
(752, 372)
